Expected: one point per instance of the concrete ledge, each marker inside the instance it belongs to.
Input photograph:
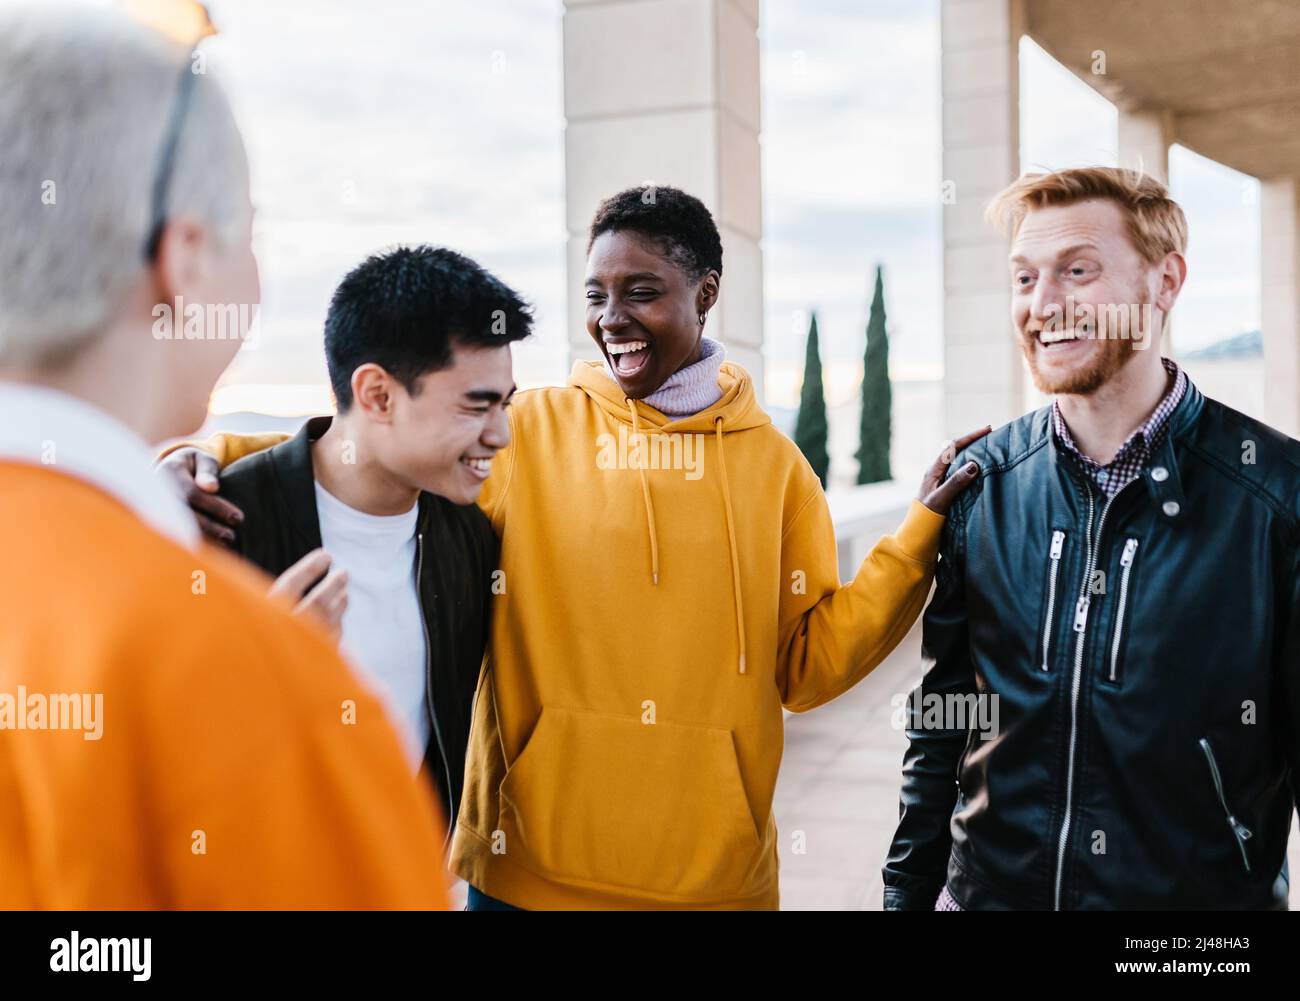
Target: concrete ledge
(861, 515)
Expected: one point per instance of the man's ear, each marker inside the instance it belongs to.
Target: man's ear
(1173, 272)
(179, 264)
(372, 392)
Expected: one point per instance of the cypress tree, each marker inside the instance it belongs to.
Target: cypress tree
(877, 398)
(810, 428)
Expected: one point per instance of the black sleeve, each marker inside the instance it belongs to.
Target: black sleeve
(1290, 672)
(238, 484)
(485, 586)
(917, 865)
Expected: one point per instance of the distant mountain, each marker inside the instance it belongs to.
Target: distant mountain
(244, 422)
(1247, 345)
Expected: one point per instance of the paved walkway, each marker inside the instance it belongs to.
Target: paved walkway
(839, 787)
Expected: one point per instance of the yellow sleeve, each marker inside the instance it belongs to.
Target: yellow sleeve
(832, 636)
(227, 446)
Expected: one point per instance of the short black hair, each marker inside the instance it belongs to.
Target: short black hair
(679, 223)
(405, 308)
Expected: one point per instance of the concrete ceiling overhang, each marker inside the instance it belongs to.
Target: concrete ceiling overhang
(1224, 73)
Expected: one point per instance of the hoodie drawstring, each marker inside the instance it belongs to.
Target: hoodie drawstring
(731, 538)
(649, 504)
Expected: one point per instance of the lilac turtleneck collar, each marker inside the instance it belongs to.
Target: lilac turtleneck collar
(691, 389)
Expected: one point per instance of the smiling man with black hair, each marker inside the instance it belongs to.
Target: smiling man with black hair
(417, 342)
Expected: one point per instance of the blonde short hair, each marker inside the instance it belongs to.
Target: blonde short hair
(1156, 223)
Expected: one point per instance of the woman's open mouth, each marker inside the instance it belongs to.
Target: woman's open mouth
(628, 357)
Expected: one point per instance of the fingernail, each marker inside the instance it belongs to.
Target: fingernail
(237, 517)
(972, 468)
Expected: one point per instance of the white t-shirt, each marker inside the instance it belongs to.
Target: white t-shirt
(383, 633)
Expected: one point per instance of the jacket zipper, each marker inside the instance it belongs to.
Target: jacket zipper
(1239, 830)
(1080, 630)
(1126, 566)
(428, 689)
(1058, 544)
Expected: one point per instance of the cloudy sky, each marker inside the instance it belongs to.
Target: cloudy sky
(441, 121)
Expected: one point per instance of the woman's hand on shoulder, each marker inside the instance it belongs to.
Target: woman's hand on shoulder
(938, 493)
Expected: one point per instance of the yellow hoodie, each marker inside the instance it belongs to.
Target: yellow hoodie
(663, 598)
(628, 728)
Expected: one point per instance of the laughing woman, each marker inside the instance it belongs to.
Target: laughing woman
(670, 585)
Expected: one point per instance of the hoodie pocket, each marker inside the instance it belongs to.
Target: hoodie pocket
(656, 810)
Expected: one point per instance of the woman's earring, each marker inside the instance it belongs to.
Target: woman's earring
(701, 319)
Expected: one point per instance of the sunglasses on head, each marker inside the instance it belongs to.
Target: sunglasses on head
(186, 21)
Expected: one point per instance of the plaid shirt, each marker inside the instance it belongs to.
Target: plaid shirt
(1137, 450)
(946, 901)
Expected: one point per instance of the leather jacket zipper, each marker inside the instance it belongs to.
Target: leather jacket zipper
(428, 689)
(1081, 630)
(1239, 830)
(1126, 566)
(1058, 544)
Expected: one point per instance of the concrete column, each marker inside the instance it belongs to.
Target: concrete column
(1144, 141)
(1279, 260)
(983, 366)
(668, 92)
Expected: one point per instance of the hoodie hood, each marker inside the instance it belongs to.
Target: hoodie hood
(738, 407)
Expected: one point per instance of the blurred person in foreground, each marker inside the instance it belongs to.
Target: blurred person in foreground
(169, 737)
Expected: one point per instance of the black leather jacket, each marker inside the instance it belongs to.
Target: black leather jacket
(456, 555)
(1148, 744)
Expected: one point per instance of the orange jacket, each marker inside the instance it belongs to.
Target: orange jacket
(214, 761)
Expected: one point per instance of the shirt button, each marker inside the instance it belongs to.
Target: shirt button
(1160, 474)
(1102, 476)
(1170, 508)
